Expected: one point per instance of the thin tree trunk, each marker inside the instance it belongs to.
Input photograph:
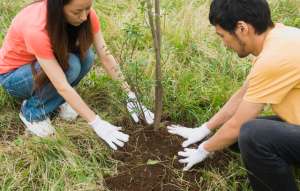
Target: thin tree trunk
(156, 34)
(158, 88)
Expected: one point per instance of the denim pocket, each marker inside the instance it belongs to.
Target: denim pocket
(18, 83)
(20, 89)
(3, 78)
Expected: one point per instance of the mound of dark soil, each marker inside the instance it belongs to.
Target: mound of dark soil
(149, 163)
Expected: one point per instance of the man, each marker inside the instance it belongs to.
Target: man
(270, 145)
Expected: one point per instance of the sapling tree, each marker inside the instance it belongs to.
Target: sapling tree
(154, 22)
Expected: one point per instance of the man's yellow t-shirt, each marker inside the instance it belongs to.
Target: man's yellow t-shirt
(275, 75)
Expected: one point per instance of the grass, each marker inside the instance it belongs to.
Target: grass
(199, 75)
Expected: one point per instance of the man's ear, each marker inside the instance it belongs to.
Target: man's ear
(242, 28)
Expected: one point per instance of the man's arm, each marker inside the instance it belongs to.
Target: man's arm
(230, 131)
(194, 135)
(224, 137)
(228, 110)
(108, 61)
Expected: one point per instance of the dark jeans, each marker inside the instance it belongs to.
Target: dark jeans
(269, 149)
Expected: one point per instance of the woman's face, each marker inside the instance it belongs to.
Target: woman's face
(77, 11)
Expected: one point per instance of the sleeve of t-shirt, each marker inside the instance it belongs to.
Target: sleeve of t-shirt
(94, 21)
(269, 83)
(38, 44)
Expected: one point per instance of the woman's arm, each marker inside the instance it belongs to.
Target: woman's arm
(59, 81)
(109, 133)
(113, 69)
(108, 61)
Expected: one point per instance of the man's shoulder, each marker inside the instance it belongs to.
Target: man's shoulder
(281, 48)
(283, 36)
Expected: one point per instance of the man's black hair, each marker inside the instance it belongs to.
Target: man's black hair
(226, 13)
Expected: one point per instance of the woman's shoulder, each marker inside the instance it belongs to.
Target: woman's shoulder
(32, 16)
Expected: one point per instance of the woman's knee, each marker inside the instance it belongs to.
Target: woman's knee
(88, 60)
(74, 68)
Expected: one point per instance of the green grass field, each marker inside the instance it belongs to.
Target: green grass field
(199, 75)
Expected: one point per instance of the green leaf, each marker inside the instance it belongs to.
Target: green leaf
(152, 162)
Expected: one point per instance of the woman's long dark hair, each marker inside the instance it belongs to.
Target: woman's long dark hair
(64, 37)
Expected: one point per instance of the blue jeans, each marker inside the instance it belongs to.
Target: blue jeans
(42, 102)
(270, 148)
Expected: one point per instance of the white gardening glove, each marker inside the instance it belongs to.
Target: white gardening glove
(135, 109)
(193, 156)
(193, 135)
(109, 133)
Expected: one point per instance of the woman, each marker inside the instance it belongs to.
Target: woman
(46, 53)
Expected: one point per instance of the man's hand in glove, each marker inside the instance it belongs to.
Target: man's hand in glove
(193, 135)
(193, 156)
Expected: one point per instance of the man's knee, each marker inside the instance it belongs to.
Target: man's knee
(249, 134)
(256, 133)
